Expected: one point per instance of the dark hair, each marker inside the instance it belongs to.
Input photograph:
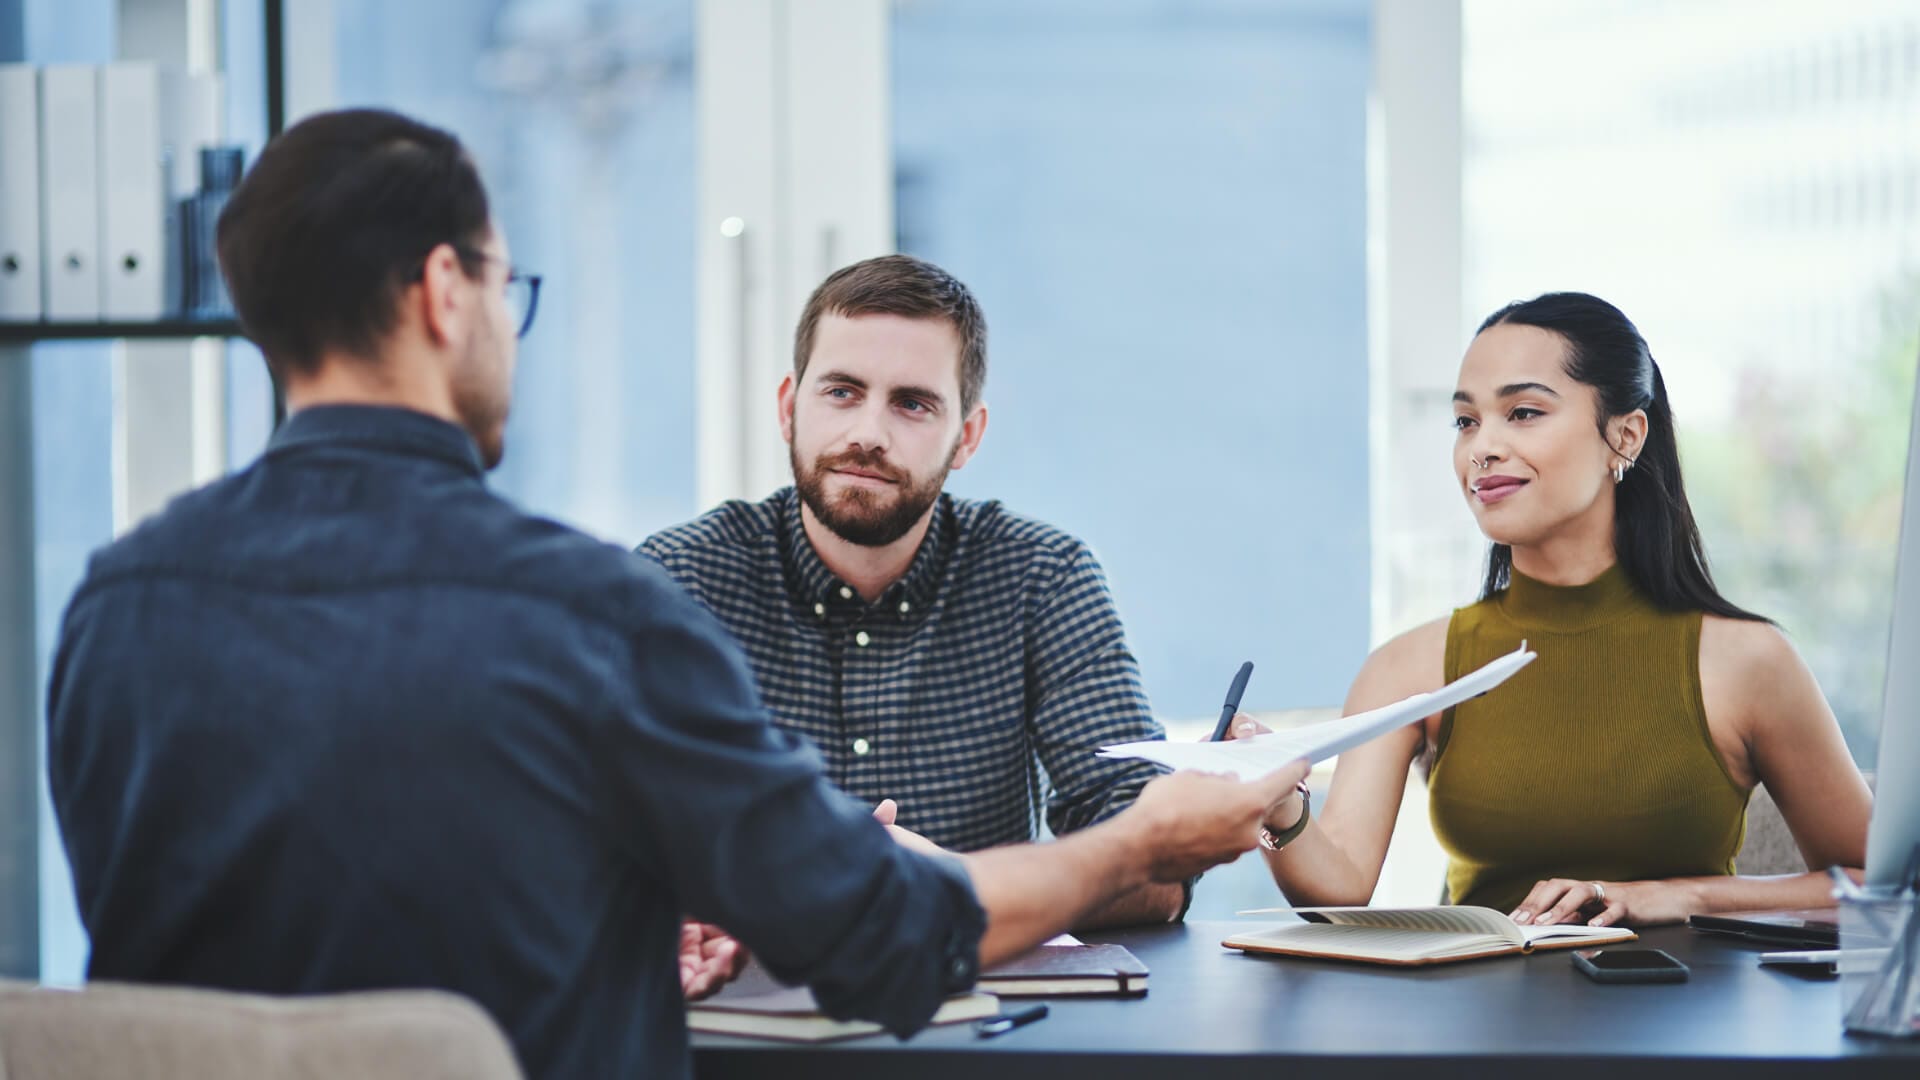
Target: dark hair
(901, 285)
(334, 219)
(1654, 535)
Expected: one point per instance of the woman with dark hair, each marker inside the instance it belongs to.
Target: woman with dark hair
(1608, 780)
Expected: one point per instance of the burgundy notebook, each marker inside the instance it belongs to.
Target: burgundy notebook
(1064, 970)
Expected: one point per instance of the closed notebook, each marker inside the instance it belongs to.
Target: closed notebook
(790, 1014)
(1411, 936)
(1064, 970)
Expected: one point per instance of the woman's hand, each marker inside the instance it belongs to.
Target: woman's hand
(1244, 726)
(1605, 903)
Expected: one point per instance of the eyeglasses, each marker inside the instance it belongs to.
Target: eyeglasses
(523, 298)
(523, 289)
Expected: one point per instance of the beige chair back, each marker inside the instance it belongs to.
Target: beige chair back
(113, 1030)
(1770, 847)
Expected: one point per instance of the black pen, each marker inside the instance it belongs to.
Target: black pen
(1005, 1022)
(1232, 707)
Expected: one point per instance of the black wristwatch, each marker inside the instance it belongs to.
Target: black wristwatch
(1273, 841)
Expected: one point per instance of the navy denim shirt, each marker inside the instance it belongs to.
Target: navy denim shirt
(347, 720)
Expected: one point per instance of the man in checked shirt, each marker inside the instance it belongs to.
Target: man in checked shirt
(942, 653)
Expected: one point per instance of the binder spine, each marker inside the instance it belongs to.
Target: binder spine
(20, 269)
(133, 195)
(69, 193)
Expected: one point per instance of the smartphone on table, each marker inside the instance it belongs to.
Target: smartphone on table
(1629, 966)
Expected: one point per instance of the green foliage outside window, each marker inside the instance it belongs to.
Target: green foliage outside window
(1799, 499)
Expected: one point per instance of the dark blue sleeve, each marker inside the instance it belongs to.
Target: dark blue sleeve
(751, 836)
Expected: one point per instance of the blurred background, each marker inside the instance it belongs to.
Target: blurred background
(1230, 252)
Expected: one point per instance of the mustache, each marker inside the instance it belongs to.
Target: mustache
(872, 461)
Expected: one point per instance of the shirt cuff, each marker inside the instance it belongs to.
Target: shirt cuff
(961, 951)
(1186, 897)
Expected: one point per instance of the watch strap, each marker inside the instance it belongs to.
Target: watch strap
(1274, 841)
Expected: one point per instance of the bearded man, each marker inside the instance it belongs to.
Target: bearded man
(942, 653)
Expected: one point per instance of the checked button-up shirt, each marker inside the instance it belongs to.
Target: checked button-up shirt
(974, 692)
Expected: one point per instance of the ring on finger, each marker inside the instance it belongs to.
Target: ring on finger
(1599, 892)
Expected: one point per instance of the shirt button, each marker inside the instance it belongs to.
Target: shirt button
(904, 606)
(861, 746)
(820, 610)
(861, 639)
(846, 593)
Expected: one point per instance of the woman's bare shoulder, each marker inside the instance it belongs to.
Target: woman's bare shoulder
(1751, 671)
(1748, 652)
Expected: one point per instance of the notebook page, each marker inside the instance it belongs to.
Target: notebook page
(1566, 931)
(1370, 942)
(1478, 921)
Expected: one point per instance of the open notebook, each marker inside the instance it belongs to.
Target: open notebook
(1430, 935)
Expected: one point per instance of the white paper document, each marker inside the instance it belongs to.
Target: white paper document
(1249, 759)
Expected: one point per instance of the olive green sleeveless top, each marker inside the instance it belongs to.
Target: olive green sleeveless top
(1594, 761)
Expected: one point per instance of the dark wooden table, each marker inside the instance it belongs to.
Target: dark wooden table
(1213, 1012)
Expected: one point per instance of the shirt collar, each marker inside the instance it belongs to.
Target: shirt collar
(812, 583)
(379, 427)
(1569, 609)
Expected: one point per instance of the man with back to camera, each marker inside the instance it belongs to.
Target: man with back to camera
(346, 720)
(939, 651)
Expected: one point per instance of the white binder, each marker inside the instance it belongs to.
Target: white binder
(133, 191)
(19, 193)
(70, 192)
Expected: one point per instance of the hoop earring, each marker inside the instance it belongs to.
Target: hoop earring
(1619, 473)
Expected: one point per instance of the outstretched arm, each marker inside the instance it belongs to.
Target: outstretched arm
(1337, 860)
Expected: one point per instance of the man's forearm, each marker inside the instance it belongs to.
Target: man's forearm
(1032, 892)
(1179, 827)
(1152, 903)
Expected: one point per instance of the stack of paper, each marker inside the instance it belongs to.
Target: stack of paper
(1249, 759)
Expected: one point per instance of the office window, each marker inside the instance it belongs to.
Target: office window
(1162, 210)
(580, 116)
(1780, 293)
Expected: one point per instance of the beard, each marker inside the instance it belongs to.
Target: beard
(864, 516)
(481, 397)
